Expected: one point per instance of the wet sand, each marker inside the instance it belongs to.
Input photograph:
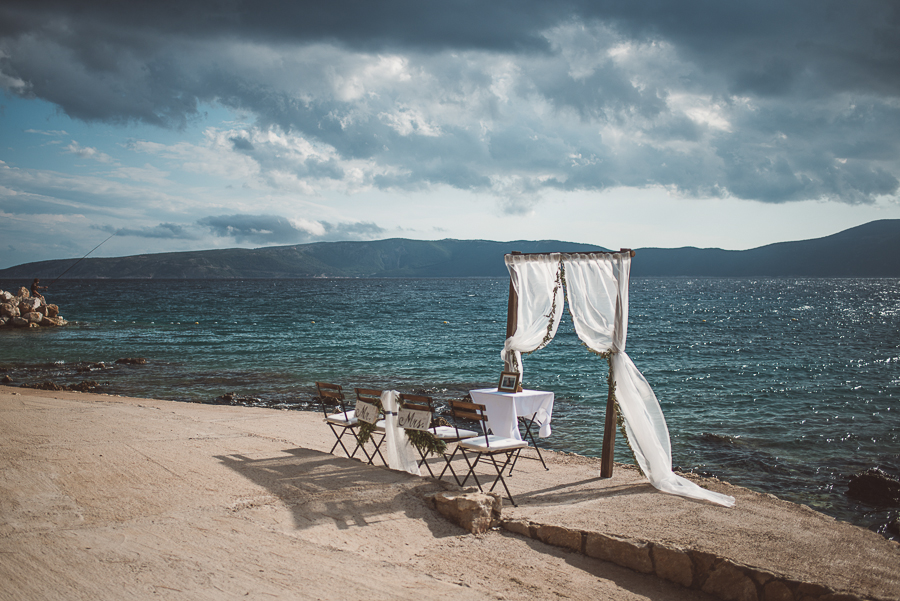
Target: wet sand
(107, 497)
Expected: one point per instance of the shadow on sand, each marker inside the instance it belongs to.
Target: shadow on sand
(319, 487)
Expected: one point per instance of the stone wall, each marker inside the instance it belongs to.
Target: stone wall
(717, 576)
(21, 310)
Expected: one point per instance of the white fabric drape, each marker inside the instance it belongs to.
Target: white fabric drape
(400, 453)
(538, 282)
(597, 289)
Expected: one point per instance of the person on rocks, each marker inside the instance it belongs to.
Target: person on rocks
(36, 288)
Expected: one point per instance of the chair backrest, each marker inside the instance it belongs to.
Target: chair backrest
(469, 411)
(418, 402)
(332, 396)
(368, 395)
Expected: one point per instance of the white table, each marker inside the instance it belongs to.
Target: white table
(504, 409)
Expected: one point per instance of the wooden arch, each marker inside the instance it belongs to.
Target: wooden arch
(609, 428)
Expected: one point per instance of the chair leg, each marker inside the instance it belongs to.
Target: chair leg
(448, 464)
(499, 477)
(529, 434)
(472, 467)
(378, 451)
(339, 441)
(424, 457)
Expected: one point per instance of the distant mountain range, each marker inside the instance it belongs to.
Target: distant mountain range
(870, 250)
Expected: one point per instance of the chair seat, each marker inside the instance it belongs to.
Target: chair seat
(494, 443)
(342, 419)
(379, 426)
(450, 433)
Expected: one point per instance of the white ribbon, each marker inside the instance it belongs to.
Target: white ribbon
(400, 453)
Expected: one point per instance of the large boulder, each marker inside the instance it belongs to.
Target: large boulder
(477, 512)
(20, 322)
(24, 292)
(9, 310)
(34, 317)
(27, 305)
(5, 296)
(52, 310)
(874, 487)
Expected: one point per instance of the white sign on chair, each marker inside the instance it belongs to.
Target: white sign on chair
(366, 412)
(414, 420)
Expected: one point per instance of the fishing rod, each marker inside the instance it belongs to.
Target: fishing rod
(80, 260)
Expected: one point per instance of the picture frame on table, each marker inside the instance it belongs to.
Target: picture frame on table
(509, 382)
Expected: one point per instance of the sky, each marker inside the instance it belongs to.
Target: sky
(170, 126)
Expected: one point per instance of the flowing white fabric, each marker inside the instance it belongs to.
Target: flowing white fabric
(537, 280)
(597, 289)
(400, 453)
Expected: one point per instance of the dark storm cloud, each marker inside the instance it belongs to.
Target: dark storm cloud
(165, 231)
(273, 229)
(255, 229)
(767, 100)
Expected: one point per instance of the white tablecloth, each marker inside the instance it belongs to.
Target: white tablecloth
(504, 408)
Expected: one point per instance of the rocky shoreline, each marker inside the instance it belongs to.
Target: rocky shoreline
(22, 310)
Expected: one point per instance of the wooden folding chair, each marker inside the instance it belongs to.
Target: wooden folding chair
(447, 434)
(484, 444)
(338, 417)
(373, 397)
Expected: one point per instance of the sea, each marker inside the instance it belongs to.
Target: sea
(786, 386)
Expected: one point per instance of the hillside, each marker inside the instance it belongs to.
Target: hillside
(870, 250)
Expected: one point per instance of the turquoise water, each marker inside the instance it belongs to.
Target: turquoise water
(785, 386)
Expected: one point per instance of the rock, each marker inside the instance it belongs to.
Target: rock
(52, 321)
(634, 555)
(9, 310)
(85, 386)
(52, 310)
(34, 317)
(27, 305)
(6, 379)
(19, 322)
(5, 296)
(560, 537)
(673, 564)
(24, 292)
(476, 512)
(230, 398)
(133, 361)
(777, 591)
(893, 526)
(46, 386)
(728, 582)
(521, 527)
(4, 321)
(874, 487)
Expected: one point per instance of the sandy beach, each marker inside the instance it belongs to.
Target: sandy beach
(106, 497)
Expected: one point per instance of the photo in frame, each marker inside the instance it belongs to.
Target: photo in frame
(509, 382)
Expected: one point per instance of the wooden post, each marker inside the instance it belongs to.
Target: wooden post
(609, 431)
(512, 312)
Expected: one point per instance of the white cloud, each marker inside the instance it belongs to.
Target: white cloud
(86, 152)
